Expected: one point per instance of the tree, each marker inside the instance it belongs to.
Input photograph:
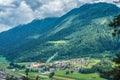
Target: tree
(115, 24)
(117, 59)
(37, 78)
(67, 72)
(71, 71)
(26, 72)
(116, 70)
(51, 74)
(25, 78)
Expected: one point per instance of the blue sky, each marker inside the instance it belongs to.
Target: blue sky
(15, 12)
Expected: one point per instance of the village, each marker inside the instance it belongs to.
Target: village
(73, 64)
(45, 69)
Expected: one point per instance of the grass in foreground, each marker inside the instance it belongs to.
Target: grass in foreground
(61, 73)
(79, 76)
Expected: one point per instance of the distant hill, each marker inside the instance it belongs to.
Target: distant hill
(81, 32)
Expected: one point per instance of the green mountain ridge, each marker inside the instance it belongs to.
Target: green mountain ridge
(81, 32)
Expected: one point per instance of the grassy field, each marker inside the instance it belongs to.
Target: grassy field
(25, 63)
(19, 73)
(79, 76)
(61, 75)
(3, 62)
(2, 59)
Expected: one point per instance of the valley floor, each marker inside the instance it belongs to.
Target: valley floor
(59, 73)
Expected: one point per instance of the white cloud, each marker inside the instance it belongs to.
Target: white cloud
(15, 16)
(4, 27)
(15, 12)
(55, 8)
(6, 2)
(21, 15)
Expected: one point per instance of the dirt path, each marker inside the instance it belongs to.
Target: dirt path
(62, 78)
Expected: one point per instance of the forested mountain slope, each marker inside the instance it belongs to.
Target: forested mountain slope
(81, 32)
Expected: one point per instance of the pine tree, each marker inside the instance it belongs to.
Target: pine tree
(115, 24)
(116, 70)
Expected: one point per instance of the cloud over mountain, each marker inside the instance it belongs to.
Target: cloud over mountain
(15, 12)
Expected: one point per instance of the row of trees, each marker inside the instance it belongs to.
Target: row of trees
(114, 74)
(14, 65)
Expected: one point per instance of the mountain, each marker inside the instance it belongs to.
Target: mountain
(81, 32)
(11, 40)
(31, 30)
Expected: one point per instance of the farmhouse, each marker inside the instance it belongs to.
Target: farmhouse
(37, 64)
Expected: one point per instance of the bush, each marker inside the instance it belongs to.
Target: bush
(51, 74)
(25, 78)
(14, 65)
(86, 71)
(71, 71)
(67, 72)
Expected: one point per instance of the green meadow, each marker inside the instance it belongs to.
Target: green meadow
(3, 62)
(79, 76)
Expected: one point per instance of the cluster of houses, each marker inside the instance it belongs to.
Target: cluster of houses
(73, 64)
(4, 75)
(43, 68)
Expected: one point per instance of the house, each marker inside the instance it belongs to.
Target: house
(36, 65)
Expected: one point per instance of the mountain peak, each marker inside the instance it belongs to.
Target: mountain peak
(100, 9)
(100, 4)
